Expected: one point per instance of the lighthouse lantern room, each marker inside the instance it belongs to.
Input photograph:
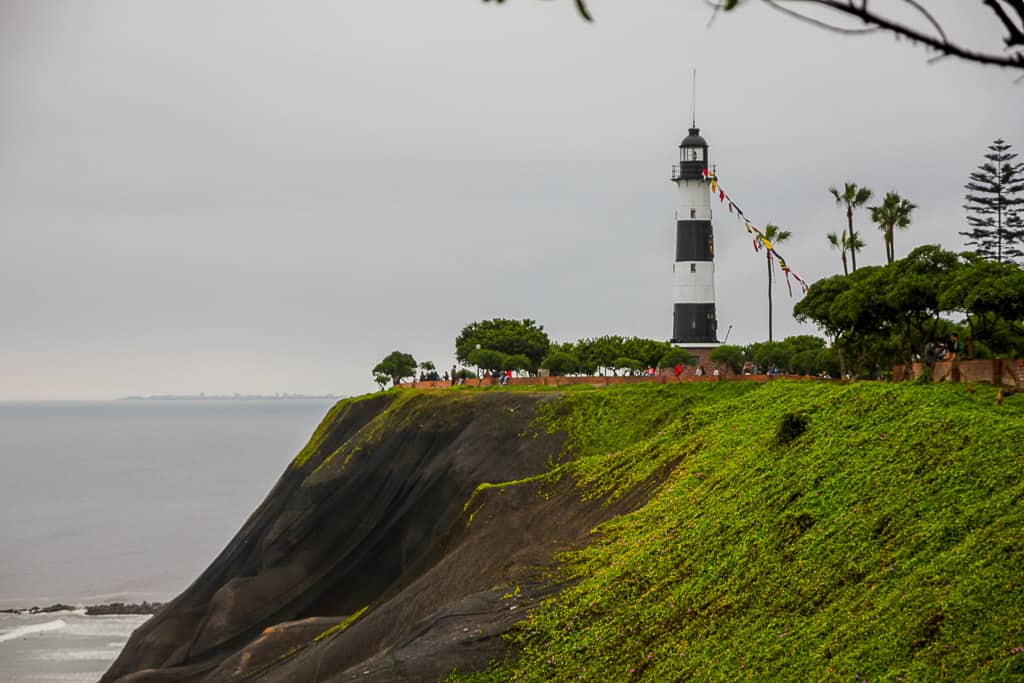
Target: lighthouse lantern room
(693, 278)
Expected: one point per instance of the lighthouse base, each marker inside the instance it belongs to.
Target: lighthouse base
(702, 352)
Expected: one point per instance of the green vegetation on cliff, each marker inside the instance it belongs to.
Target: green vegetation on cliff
(794, 531)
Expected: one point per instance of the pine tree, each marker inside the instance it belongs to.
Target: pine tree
(995, 204)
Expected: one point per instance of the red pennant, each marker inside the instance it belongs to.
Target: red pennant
(721, 195)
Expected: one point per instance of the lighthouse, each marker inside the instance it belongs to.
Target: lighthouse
(694, 325)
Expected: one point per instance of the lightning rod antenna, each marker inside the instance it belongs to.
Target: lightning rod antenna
(693, 102)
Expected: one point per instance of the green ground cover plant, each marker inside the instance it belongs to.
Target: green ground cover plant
(794, 531)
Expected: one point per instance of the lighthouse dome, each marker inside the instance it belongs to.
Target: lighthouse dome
(694, 139)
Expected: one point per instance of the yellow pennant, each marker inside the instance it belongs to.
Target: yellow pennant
(714, 185)
(766, 242)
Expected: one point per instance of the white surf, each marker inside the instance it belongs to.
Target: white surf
(22, 631)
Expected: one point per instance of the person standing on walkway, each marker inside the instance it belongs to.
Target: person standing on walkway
(953, 351)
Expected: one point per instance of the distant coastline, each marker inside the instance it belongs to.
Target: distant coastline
(228, 397)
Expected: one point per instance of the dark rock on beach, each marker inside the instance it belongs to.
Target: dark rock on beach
(58, 607)
(93, 610)
(123, 608)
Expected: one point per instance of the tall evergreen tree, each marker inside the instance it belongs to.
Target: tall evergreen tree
(995, 200)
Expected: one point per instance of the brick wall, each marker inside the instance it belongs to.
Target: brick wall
(1000, 371)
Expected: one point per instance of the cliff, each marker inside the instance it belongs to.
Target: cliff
(791, 530)
(363, 554)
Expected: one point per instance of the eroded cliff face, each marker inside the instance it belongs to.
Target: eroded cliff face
(373, 556)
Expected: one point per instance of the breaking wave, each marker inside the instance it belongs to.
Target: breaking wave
(23, 631)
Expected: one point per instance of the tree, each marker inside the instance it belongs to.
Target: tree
(488, 359)
(600, 352)
(991, 295)
(842, 243)
(885, 314)
(774, 234)
(993, 204)
(559, 362)
(623, 363)
(808, 355)
(510, 337)
(396, 365)
(381, 379)
(816, 306)
(729, 357)
(517, 361)
(912, 288)
(839, 243)
(677, 356)
(853, 197)
(894, 212)
(769, 353)
(853, 312)
(647, 351)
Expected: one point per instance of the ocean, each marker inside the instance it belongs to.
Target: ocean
(123, 501)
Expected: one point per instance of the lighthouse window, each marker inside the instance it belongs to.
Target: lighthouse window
(693, 267)
(693, 154)
(693, 213)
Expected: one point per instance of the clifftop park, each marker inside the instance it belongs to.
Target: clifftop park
(789, 530)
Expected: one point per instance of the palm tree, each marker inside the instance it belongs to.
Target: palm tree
(842, 243)
(774, 234)
(893, 212)
(854, 197)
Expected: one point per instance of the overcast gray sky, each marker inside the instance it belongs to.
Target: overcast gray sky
(259, 197)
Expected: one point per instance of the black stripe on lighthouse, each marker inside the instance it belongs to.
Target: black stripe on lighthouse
(693, 241)
(694, 323)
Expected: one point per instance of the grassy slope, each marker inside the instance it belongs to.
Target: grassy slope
(883, 543)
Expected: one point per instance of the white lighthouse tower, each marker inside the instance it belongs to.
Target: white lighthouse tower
(694, 325)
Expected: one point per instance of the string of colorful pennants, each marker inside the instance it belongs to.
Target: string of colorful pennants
(760, 240)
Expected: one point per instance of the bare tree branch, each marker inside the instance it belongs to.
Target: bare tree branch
(941, 42)
(1018, 6)
(1016, 37)
(874, 21)
(817, 22)
(581, 7)
(583, 10)
(938, 27)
